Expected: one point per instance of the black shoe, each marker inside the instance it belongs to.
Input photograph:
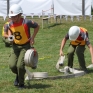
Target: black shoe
(22, 86)
(16, 82)
(86, 71)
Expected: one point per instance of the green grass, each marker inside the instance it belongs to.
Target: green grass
(47, 43)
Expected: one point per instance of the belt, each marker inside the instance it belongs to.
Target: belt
(21, 44)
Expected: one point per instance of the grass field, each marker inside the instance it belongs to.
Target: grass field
(47, 43)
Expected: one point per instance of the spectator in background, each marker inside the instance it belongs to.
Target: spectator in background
(5, 35)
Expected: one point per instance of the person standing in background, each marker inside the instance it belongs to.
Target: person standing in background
(5, 34)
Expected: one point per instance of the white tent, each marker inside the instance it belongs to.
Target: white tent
(92, 4)
(71, 7)
(61, 7)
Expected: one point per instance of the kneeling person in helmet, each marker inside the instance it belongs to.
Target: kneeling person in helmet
(79, 38)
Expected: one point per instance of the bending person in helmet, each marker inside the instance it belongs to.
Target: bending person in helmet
(79, 38)
(20, 29)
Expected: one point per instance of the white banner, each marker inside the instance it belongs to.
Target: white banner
(3, 7)
(71, 7)
(61, 7)
(92, 3)
(36, 6)
(88, 7)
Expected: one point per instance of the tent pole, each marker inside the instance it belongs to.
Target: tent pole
(83, 9)
(7, 7)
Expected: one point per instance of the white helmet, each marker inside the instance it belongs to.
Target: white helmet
(31, 58)
(15, 10)
(74, 32)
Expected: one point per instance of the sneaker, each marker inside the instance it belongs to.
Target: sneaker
(22, 86)
(90, 66)
(16, 82)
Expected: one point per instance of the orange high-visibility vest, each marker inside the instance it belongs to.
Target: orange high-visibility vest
(20, 32)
